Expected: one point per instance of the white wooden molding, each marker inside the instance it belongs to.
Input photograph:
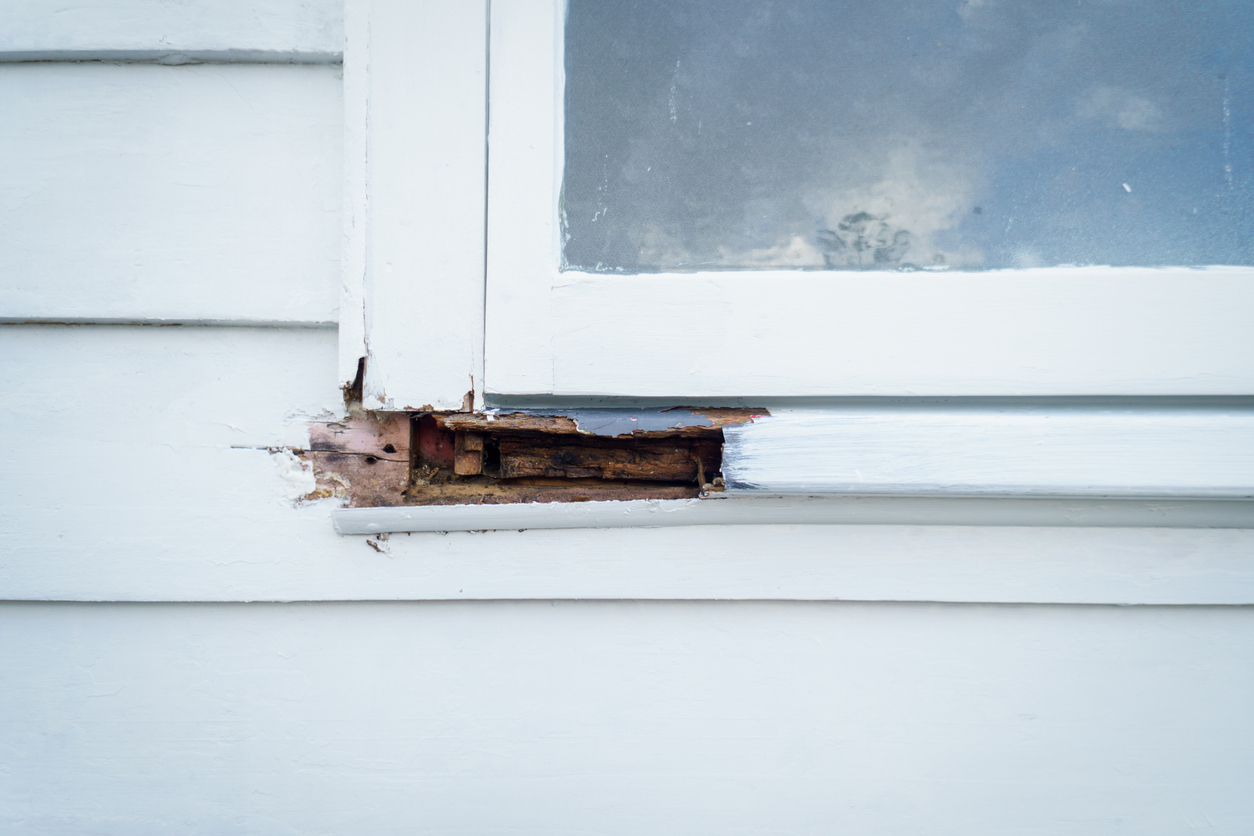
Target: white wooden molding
(739, 510)
(351, 350)
(416, 102)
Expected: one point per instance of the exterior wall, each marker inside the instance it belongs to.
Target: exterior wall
(187, 647)
(624, 717)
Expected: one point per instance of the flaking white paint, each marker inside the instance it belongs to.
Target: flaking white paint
(952, 449)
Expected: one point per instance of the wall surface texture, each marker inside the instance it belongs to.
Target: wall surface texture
(187, 647)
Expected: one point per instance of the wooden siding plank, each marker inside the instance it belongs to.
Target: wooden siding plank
(625, 717)
(140, 192)
(49, 28)
(137, 466)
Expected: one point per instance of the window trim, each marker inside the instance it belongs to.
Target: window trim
(415, 105)
(1044, 332)
(415, 305)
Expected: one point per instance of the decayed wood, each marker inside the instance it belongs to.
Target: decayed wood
(434, 445)
(529, 422)
(484, 491)
(389, 459)
(510, 422)
(661, 460)
(364, 458)
(468, 455)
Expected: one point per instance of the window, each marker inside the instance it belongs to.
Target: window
(1121, 330)
(456, 292)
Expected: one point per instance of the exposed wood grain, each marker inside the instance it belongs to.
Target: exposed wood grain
(484, 491)
(363, 458)
(591, 458)
(680, 421)
(468, 455)
(508, 422)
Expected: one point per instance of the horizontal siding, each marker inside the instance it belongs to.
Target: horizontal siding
(67, 27)
(184, 193)
(135, 467)
(632, 718)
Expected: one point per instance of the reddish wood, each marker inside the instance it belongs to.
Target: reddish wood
(436, 445)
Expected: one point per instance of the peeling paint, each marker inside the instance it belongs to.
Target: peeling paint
(295, 474)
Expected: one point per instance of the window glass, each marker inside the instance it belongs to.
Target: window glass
(907, 134)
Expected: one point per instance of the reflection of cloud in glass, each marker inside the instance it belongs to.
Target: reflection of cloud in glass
(921, 192)
(1119, 108)
(745, 133)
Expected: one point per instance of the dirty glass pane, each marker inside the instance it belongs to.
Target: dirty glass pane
(907, 134)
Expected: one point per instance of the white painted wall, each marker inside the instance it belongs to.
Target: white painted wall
(621, 717)
(137, 466)
(140, 191)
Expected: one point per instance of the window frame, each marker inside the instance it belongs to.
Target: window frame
(427, 226)
(1096, 331)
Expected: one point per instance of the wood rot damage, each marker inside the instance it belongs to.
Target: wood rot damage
(385, 459)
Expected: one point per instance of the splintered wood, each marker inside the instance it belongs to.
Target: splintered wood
(389, 459)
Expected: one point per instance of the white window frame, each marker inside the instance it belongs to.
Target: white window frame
(437, 207)
(1060, 331)
(415, 267)
(415, 151)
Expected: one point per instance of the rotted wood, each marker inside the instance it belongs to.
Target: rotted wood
(387, 459)
(468, 454)
(482, 490)
(364, 458)
(683, 421)
(677, 459)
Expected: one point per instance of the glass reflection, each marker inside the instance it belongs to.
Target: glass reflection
(907, 134)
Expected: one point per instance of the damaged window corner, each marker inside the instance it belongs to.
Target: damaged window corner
(353, 389)
(389, 459)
